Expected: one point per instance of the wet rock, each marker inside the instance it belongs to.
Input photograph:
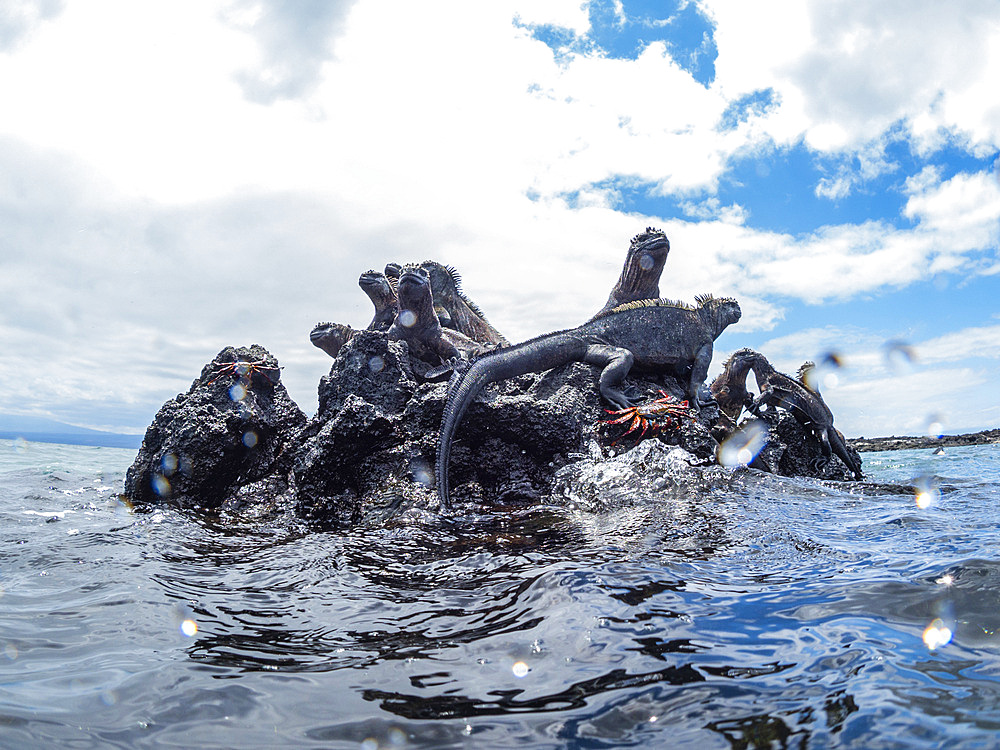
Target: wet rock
(373, 442)
(793, 451)
(216, 444)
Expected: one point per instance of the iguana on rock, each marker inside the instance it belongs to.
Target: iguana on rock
(656, 336)
(417, 324)
(794, 396)
(453, 308)
(640, 277)
(730, 387)
(382, 294)
(331, 337)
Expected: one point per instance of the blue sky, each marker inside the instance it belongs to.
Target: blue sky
(178, 177)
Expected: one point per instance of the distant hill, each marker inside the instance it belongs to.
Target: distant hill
(41, 430)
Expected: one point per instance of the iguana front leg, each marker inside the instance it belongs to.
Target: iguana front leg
(699, 372)
(616, 362)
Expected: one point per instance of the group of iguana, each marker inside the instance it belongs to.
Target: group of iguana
(636, 330)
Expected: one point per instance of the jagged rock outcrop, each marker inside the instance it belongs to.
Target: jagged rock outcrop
(223, 443)
(236, 440)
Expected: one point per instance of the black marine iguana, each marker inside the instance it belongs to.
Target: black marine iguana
(417, 324)
(730, 388)
(331, 337)
(382, 294)
(453, 308)
(658, 336)
(794, 396)
(640, 277)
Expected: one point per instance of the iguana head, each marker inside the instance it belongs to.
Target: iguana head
(378, 289)
(724, 311)
(330, 337)
(640, 277)
(730, 387)
(414, 296)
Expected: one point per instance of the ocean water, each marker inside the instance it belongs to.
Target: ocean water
(742, 611)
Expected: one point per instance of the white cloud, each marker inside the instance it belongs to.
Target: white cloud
(148, 201)
(846, 72)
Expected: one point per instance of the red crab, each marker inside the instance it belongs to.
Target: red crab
(653, 416)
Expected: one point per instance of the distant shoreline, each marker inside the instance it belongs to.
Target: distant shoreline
(894, 443)
(92, 439)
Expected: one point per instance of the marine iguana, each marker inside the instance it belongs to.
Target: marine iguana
(640, 277)
(459, 312)
(801, 401)
(453, 308)
(382, 294)
(658, 336)
(730, 387)
(417, 324)
(331, 337)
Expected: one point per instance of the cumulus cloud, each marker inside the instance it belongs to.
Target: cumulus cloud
(295, 38)
(846, 72)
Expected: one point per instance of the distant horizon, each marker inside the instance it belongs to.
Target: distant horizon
(89, 437)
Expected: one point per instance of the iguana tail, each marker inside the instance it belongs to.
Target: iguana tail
(536, 355)
(839, 446)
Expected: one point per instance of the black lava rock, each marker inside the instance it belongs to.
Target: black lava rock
(224, 441)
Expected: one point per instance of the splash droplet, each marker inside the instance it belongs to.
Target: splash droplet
(376, 364)
(935, 424)
(160, 485)
(646, 261)
(237, 392)
(168, 464)
(189, 628)
(407, 318)
(899, 356)
(249, 438)
(937, 634)
(740, 448)
(927, 493)
(520, 669)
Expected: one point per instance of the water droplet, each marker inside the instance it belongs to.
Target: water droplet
(927, 493)
(369, 743)
(935, 424)
(160, 485)
(831, 360)
(249, 438)
(407, 318)
(646, 261)
(422, 473)
(742, 447)
(189, 628)
(168, 464)
(376, 364)
(237, 392)
(520, 669)
(397, 737)
(20, 445)
(10, 651)
(937, 634)
(899, 356)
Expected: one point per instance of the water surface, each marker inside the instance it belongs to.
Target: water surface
(741, 610)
